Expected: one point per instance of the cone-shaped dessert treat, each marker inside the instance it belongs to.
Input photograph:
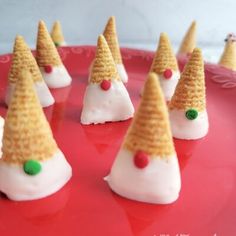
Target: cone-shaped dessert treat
(24, 59)
(228, 58)
(165, 66)
(110, 35)
(189, 40)
(32, 166)
(146, 168)
(187, 108)
(106, 98)
(57, 35)
(49, 61)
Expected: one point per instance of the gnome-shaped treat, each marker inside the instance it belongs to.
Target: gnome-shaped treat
(106, 98)
(189, 40)
(24, 59)
(165, 65)
(187, 108)
(228, 58)
(49, 61)
(57, 35)
(32, 166)
(146, 168)
(112, 41)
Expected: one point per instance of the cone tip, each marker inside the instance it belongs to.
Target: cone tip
(101, 39)
(194, 23)
(197, 51)
(112, 18)
(42, 23)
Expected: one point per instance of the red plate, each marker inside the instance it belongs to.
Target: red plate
(86, 206)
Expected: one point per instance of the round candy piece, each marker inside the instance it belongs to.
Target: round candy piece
(191, 114)
(48, 69)
(32, 167)
(141, 159)
(105, 85)
(57, 44)
(167, 73)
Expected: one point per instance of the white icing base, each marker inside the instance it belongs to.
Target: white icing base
(100, 106)
(58, 78)
(168, 85)
(19, 186)
(159, 182)
(183, 128)
(45, 97)
(122, 72)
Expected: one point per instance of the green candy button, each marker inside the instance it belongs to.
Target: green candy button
(191, 114)
(57, 44)
(32, 167)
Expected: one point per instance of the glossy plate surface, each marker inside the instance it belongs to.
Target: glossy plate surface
(86, 206)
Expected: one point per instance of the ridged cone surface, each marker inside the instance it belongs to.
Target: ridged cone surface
(112, 40)
(150, 129)
(228, 58)
(164, 57)
(189, 41)
(56, 33)
(190, 90)
(103, 65)
(27, 134)
(23, 59)
(46, 51)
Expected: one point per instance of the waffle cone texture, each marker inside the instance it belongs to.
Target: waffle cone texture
(150, 129)
(103, 65)
(56, 33)
(46, 51)
(164, 57)
(27, 134)
(228, 58)
(23, 59)
(110, 35)
(189, 41)
(190, 90)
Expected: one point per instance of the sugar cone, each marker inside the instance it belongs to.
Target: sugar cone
(164, 57)
(189, 41)
(103, 65)
(46, 51)
(56, 33)
(150, 129)
(228, 58)
(112, 40)
(190, 90)
(23, 59)
(27, 134)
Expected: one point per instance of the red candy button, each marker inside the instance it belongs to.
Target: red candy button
(167, 73)
(141, 159)
(105, 85)
(48, 69)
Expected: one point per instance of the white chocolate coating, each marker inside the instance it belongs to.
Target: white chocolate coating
(19, 186)
(168, 85)
(159, 182)
(58, 78)
(45, 97)
(101, 106)
(122, 72)
(183, 128)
